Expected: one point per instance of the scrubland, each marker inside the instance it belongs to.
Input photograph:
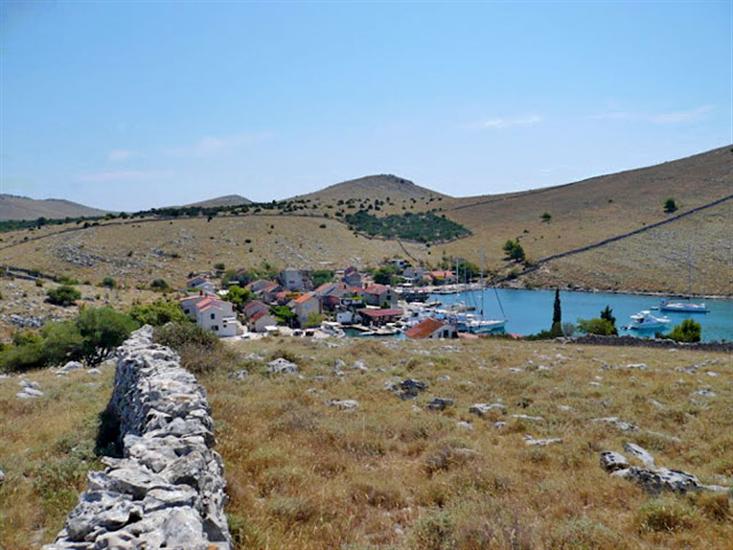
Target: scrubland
(47, 446)
(394, 473)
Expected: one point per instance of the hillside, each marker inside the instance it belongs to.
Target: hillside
(13, 207)
(581, 214)
(225, 200)
(381, 187)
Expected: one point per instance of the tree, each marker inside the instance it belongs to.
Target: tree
(63, 295)
(314, 320)
(687, 331)
(607, 315)
(514, 251)
(238, 296)
(546, 217)
(62, 342)
(556, 329)
(670, 206)
(384, 275)
(102, 329)
(158, 313)
(284, 314)
(321, 276)
(601, 327)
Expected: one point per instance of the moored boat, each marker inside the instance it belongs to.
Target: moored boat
(683, 307)
(644, 320)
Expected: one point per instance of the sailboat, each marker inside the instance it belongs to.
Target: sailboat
(476, 324)
(685, 306)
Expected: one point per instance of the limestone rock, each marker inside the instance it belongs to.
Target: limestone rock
(281, 366)
(482, 409)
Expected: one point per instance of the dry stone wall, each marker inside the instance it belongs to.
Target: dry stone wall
(167, 490)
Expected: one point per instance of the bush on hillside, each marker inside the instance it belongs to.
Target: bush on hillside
(238, 296)
(200, 350)
(514, 251)
(158, 313)
(90, 337)
(159, 285)
(670, 206)
(424, 227)
(109, 282)
(64, 295)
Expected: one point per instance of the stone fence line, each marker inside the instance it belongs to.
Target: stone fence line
(167, 490)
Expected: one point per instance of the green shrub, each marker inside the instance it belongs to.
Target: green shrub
(434, 530)
(670, 206)
(63, 295)
(102, 330)
(20, 358)
(62, 342)
(158, 313)
(687, 331)
(160, 285)
(177, 335)
(109, 282)
(321, 276)
(602, 327)
(514, 251)
(238, 296)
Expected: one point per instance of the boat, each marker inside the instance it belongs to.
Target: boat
(333, 329)
(685, 306)
(644, 320)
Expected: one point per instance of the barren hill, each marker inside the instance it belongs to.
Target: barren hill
(381, 187)
(580, 214)
(13, 207)
(225, 200)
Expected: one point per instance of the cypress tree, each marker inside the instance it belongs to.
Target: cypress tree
(556, 329)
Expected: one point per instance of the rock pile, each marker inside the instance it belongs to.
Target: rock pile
(168, 489)
(652, 478)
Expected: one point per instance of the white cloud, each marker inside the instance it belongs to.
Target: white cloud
(118, 155)
(209, 146)
(509, 122)
(123, 176)
(670, 117)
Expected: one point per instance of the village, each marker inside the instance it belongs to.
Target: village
(350, 303)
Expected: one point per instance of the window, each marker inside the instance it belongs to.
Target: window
(213, 315)
(215, 328)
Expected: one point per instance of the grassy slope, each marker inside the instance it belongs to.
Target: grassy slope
(656, 259)
(280, 240)
(24, 208)
(46, 449)
(305, 475)
(581, 212)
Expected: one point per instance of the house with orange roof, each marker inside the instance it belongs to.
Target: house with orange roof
(211, 313)
(431, 328)
(304, 306)
(379, 295)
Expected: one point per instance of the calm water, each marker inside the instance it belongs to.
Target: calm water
(530, 311)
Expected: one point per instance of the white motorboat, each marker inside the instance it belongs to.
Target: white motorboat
(683, 307)
(644, 320)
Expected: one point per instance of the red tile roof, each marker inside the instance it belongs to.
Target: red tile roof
(424, 328)
(258, 315)
(303, 298)
(376, 289)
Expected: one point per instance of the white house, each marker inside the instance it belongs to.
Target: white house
(202, 284)
(212, 314)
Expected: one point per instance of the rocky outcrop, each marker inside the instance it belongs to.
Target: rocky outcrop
(167, 490)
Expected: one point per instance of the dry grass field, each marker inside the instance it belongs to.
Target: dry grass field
(656, 259)
(395, 474)
(46, 449)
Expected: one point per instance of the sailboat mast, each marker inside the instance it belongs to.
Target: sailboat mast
(689, 269)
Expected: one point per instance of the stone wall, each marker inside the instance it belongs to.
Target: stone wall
(167, 490)
(662, 343)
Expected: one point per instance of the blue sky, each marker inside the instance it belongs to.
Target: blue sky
(133, 105)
